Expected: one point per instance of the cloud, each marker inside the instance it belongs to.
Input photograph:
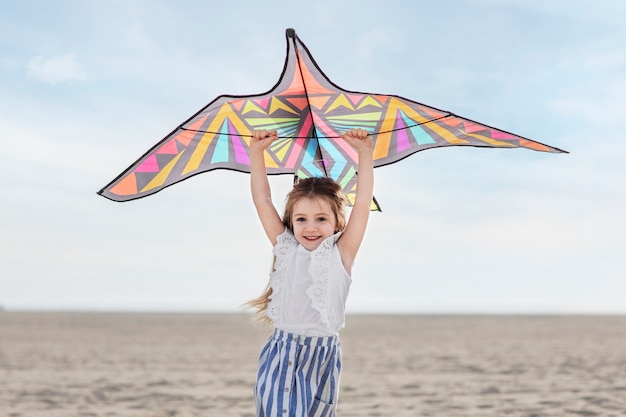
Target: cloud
(56, 69)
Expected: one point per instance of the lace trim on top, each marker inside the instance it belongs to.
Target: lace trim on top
(286, 245)
(320, 271)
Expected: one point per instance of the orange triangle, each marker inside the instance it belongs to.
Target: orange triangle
(312, 84)
(185, 137)
(380, 99)
(297, 86)
(126, 186)
(534, 145)
(451, 121)
(432, 113)
(237, 104)
(319, 101)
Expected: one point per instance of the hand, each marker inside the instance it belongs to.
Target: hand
(262, 139)
(359, 139)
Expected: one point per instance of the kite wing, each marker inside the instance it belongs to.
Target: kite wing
(309, 112)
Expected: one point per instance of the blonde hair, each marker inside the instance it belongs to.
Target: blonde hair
(322, 188)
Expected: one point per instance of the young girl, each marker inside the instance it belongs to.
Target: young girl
(315, 247)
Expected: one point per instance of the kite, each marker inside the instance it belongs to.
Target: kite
(309, 112)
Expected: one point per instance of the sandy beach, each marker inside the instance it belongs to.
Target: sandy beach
(183, 365)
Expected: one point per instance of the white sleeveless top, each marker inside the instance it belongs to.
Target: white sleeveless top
(309, 288)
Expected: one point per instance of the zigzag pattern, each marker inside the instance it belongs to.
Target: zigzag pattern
(310, 113)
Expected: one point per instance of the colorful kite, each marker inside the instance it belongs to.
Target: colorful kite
(309, 112)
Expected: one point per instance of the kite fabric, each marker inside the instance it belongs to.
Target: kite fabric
(309, 112)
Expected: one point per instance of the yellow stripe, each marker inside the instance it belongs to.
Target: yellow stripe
(445, 134)
(269, 161)
(490, 141)
(200, 150)
(381, 150)
(383, 140)
(162, 176)
(441, 131)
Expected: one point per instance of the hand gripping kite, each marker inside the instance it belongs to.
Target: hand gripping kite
(309, 112)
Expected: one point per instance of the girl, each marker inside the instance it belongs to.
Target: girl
(314, 247)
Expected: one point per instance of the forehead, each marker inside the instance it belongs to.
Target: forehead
(314, 205)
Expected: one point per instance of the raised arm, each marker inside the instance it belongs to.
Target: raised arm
(351, 239)
(259, 184)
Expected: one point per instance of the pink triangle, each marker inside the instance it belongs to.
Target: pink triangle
(264, 103)
(149, 165)
(169, 148)
(471, 127)
(496, 134)
(355, 98)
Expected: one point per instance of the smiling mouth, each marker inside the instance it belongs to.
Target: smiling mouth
(312, 237)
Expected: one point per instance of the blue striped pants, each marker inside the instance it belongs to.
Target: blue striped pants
(298, 376)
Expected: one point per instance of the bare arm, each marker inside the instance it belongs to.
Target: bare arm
(352, 236)
(260, 187)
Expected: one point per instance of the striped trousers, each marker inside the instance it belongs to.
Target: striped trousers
(298, 376)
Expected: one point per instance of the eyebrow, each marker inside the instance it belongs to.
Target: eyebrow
(316, 214)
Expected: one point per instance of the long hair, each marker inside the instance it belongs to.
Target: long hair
(315, 188)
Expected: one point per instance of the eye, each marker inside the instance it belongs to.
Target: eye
(300, 219)
(321, 219)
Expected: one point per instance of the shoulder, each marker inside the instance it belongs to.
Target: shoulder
(285, 243)
(286, 237)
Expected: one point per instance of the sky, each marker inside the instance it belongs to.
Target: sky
(86, 87)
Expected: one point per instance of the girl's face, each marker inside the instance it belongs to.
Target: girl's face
(313, 221)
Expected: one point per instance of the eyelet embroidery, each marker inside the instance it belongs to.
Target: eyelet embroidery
(320, 271)
(286, 245)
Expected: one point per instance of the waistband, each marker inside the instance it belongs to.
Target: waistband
(319, 341)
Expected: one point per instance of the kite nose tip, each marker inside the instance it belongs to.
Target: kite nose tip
(291, 33)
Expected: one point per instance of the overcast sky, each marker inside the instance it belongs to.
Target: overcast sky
(86, 87)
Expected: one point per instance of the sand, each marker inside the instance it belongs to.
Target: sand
(155, 365)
